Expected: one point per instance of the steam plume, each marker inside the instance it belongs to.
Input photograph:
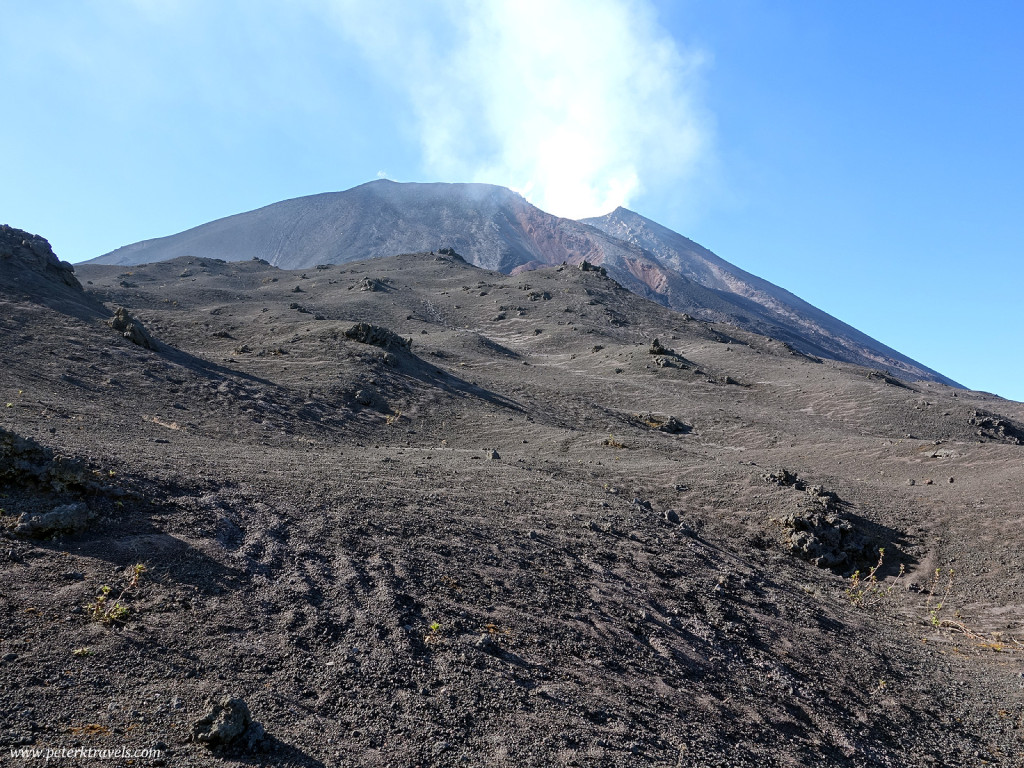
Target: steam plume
(577, 104)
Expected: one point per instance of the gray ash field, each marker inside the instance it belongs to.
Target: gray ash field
(416, 513)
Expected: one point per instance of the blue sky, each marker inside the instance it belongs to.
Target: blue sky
(867, 156)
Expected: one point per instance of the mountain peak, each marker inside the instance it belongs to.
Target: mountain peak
(496, 228)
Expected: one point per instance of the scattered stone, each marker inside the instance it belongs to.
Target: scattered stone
(911, 482)
(229, 724)
(671, 516)
(493, 455)
(131, 329)
(586, 266)
(485, 642)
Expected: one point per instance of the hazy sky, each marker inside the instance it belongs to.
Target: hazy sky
(867, 156)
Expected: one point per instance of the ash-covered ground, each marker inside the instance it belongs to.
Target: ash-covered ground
(415, 513)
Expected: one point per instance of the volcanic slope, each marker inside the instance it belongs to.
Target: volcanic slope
(496, 228)
(816, 331)
(418, 513)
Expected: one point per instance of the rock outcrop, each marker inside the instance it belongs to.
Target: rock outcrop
(131, 329)
(31, 272)
(66, 518)
(377, 336)
(991, 426)
(46, 492)
(32, 253)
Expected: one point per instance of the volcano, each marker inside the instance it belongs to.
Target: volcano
(497, 229)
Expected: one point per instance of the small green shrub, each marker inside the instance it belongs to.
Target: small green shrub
(114, 611)
(867, 590)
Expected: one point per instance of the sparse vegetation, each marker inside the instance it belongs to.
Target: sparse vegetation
(434, 634)
(937, 603)
(942, 615)
(114, 611)
(869, 589)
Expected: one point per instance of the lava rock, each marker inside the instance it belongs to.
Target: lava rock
(784, 478)
(658, 349)
(131, 329)
(827, 540)
(996, 427)
(377, 336)
(34, 253)
(369, 284)
(229, 724)
(65, 518)
(369, 397)
(451, 253)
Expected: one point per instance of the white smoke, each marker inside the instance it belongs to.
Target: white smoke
(577, 104)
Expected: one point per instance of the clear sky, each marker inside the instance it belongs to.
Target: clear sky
(868, 156)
